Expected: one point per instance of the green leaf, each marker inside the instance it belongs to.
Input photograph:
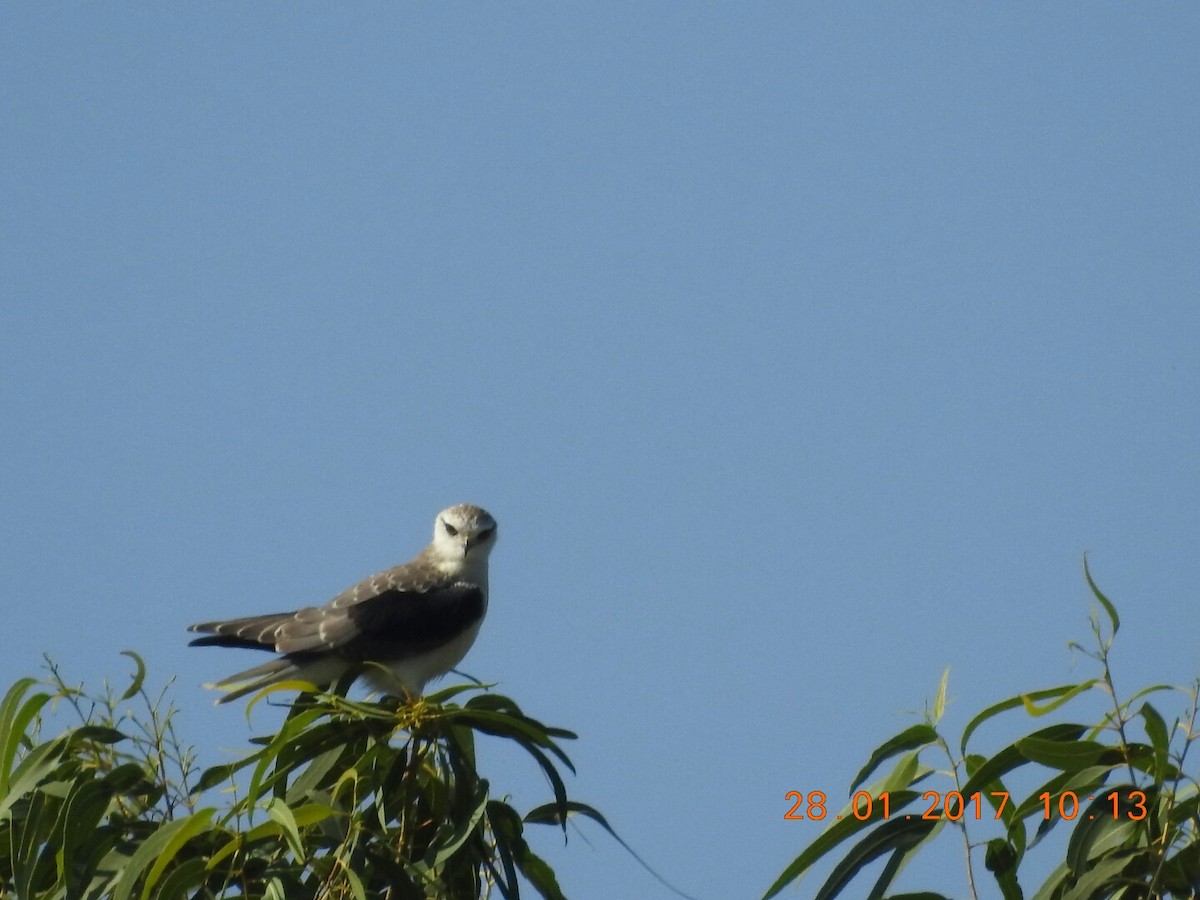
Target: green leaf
(1053, 886)
(184, 878)
(299, 686)
(464, 827)
(1067, 755)
(186, 829)
(836, 833)
(1103, 875)
(1033, 709)
(1182, 871)
(523, 730)
(282, 815)
(907, 772)
(500, 703)
(556, 782)
(215, 775)
(1096, 832)
(356, 885)
(1002, 860)
(314, 774)
(100, 734)
(1080, 781)
(1155, 689)
(139, 675)
(540, 875)
(550, 814)
(916, 737)
(1187, 806)
(293, 726)
(32, 830)
(895, 864)
(15, 717)
(896, 834)
(939, 701)
(1113, 618)
(37, 765)
(449, 693)
(1066, 692)
(1160, 739)
(128, 778)
(1011, 757)
(495, 703)
(994, 792)
(506, 828)
(157, 851)
(85, 808)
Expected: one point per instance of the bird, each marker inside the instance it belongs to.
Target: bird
(417, 620)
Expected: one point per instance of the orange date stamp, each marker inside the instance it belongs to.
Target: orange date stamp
(954, 806)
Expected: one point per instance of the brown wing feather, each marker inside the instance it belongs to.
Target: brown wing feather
(319, 627)
(252, 631)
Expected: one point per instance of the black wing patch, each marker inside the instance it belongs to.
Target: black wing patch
(397, 624)
(229, 640)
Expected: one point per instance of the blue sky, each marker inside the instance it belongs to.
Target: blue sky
(801, 351)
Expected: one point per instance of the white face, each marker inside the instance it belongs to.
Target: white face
(464, 531)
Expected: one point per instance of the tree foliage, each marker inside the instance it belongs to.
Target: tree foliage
(1119, 786)
(347, 800)
(352, 799)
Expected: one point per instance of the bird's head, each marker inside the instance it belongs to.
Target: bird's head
(463, 533)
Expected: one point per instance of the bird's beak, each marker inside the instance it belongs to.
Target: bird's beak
(468, 543)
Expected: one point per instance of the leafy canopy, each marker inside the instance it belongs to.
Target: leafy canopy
(1118, 785)
(347, 799)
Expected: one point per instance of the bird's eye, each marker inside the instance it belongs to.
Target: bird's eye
(486, 533)
(450, 529)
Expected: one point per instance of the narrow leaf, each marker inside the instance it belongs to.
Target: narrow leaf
(184, 879)
(1160, 739)
(1027, 700)
(157, 851)
(1104, 874)
(550, 814)
(1002, 860)
(939, 701)
(139, 676)
(1070, 690)
(464, 827)
(540, 875)
(32, 770)
(830, 838)
(1067, 755)
(15, 717)
(85, 807)
(282, 814)
(910, 739)
(1011, 757)
(1104, 601)
(1097, 831)
(356, 885)
(892, 835)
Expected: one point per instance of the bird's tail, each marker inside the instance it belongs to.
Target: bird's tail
(316, 669)
(256, 679)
